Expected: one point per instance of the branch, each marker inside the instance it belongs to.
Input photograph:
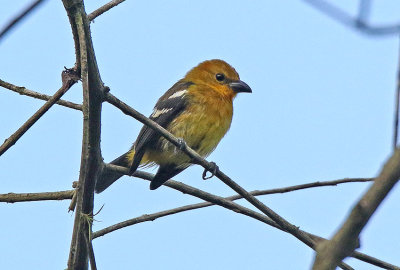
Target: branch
(151, 217)
(41, 196)
(237, 208)
(211, 167)
(23, 91)
(103, 9)
(396, 107)
(90, 159)
(186, 189)
(345, 241)
(354, 23)
(374, 261)
(88, 241)
(215, 200)
(69, 79)
(308, 185)
(68, 194)
(19, 17)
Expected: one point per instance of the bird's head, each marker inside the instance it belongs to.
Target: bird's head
(218, 75)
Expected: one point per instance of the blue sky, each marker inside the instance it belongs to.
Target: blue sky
(321, 109)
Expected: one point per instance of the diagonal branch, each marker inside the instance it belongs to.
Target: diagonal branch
(186, 189)
(208, 197)
(103, 9)
(308, 185)
(19, 17)
(24, 91)
(397, 107)
(211, 167)
(374, 261)
(88, 241)
(345, 241)
(357, 23)
(68, 80)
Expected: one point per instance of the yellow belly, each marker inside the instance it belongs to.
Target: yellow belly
(201, 129)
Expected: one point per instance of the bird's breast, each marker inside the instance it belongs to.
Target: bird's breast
(202, 125)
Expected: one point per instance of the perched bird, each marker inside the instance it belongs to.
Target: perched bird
(197, 109)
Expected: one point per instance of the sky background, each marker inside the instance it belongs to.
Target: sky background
(321, 109)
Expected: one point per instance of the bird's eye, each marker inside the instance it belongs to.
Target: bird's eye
(220, 77)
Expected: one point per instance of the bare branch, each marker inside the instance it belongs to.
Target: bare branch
(103, 9)
(206, 196)
(374, 261)
(354, 23)
(186, 189)
(24, 91)
(345, 241)
(308, 185)
(41, 196)
(364, 9)
(89, 246)
(72, 205)
(91, 156)
(211, 167)
(212, 200)
(69, 194)
(396, 108)
(68, 80)
(92, 259)
(19, 17)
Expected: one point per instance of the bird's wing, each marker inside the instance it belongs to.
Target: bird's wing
(167, 108)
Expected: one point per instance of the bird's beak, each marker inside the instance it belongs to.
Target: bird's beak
(240, 87)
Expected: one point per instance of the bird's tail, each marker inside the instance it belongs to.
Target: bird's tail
(108, 177)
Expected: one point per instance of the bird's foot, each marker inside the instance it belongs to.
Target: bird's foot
(182, 144)
(214, 169)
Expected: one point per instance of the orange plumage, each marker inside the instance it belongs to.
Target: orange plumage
(198, 109)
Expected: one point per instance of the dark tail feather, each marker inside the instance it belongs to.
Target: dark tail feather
(108, 177)
(163, 174)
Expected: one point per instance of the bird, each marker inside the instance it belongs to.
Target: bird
(197, 109)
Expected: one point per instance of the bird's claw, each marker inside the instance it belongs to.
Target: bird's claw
(182, 144)
(213, 171)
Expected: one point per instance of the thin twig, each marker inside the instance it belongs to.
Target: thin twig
(89, 247)
(354, 23)
(19, 17)
(308, 185)
(374, 261)
(24, 91)
(72, 205)
(68, 80)
(103, 9)
(69, 194)
(88, 219)
(211, 167)
(345, 241)
(364, 9)
(206, 196)
(41, 196)
(397, 109)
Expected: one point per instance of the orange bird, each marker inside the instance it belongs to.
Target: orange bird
(197, 109)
